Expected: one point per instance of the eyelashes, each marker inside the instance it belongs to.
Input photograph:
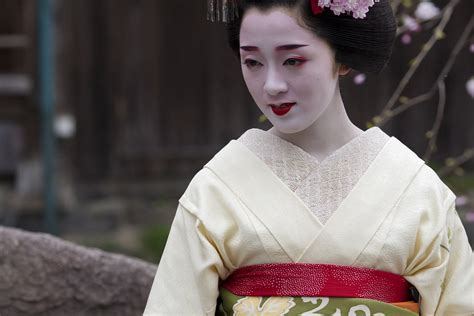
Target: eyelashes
(250, 63)
(294, 62)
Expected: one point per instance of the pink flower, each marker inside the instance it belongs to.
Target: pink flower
(471, 48)
(359, 79)
(461, 201)
(426, 11)
(470, 217)
(410, 23)
(470, 87)
(406, 39)
(357, 8)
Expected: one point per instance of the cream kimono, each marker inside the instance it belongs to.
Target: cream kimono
(396, 216)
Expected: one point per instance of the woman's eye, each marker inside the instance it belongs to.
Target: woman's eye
(250, 63)
(294, 62)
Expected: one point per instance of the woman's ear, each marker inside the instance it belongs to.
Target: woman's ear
(344, 70)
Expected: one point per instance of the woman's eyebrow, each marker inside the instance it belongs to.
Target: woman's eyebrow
(279, 48)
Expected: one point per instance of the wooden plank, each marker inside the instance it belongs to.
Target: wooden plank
(14, 41)
(15, 84)
(11, 143)
(171, 152)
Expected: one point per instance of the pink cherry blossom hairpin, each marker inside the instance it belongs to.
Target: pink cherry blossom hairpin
(356, 8)
(227, 10)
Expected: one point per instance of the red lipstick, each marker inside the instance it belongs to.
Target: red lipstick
(282, 109)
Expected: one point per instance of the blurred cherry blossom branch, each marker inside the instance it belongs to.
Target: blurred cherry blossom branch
(407, 103)
(452, 164)
(387, 113)
(426, 21)
(391, 109)
(402, 29)
(432, 134)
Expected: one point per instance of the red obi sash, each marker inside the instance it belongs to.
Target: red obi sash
(318, 280)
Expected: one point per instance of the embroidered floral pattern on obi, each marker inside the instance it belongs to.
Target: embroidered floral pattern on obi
(273, 306)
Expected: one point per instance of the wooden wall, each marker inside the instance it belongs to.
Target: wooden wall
(143, 85)
(19, 113)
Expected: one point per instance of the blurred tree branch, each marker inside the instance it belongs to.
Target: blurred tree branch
(453, 163)
(398, 104)
(387, 112)
(432, 135)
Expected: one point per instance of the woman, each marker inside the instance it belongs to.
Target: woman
(314, 216)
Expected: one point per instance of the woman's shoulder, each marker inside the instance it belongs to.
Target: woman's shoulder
(431, 182)
(426, 183)
(208, 184)
(428, 191)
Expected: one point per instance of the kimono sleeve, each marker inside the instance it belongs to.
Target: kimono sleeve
(457, 296)
(186, 282)
(443, 269)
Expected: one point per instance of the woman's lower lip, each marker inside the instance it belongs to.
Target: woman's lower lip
(280, 111)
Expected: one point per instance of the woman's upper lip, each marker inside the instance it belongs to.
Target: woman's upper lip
(279, 104)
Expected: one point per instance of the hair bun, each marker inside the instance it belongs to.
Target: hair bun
(361, 44)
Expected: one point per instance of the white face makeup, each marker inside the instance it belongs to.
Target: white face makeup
(284, 63)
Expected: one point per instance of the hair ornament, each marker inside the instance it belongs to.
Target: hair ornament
(315, 8)
(226, 10)
(357, 8)
(222, 10)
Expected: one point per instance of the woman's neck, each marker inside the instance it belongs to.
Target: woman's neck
(329, 132)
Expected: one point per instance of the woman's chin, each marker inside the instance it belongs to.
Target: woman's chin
(288, 129)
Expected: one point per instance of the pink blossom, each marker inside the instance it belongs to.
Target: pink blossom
(471, 48)
(461, 200)
(357, 8)
(426, 10)
(359, 79)
(410, 23)
(470, 87)
(470, 217)
(406, 39)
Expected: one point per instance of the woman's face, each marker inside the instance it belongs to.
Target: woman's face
(289, 71)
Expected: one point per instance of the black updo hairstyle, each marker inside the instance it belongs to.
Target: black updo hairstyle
(361, 44)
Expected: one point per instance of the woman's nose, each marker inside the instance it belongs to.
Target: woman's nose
(274, 83)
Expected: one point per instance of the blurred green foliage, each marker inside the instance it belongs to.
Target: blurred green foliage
(109, 244)
(460, 184)
(153, 240)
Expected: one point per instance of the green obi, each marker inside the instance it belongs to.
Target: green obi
(230, 304)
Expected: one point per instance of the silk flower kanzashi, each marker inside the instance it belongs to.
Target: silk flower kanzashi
(226, 10)
(357, 8)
